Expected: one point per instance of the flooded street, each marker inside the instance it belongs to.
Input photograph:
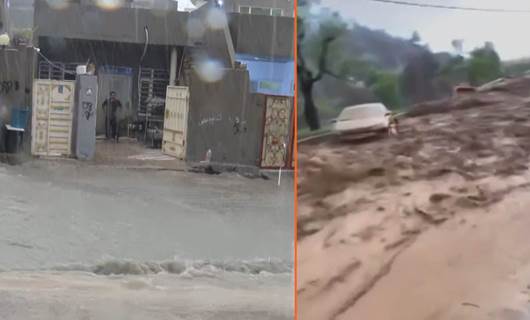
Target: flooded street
(430, 224)
(133, 135)
(66, 228)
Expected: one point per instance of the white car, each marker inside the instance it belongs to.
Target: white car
(362, 120)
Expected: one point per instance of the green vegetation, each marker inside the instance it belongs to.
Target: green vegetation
(386, 89)
(484, 65)
(23, 35)
(340, 64)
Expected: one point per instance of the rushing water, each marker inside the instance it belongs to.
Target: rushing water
(115, 228)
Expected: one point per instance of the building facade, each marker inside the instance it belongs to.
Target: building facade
(283, 8)
(154, 49)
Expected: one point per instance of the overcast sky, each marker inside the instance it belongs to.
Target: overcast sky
(437, 27)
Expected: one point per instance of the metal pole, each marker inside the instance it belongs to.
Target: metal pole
(173, 68)
(284, 155)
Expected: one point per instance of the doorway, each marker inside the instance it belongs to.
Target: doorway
(118, 80)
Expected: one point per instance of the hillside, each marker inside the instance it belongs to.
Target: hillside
(375, 48)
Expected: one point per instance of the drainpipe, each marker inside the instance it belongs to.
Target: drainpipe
(173, 68)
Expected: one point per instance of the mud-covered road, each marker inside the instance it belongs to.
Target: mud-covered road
(89, 242)
(431, 224)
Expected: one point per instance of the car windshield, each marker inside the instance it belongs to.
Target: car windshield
(361, 112)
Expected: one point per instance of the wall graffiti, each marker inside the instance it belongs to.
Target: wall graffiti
(239, 126)
(88, 109)
(210, 120)
(7, 86)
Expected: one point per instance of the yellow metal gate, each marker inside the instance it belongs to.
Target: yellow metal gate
(176, 121)
(275, 152)
(52, 116)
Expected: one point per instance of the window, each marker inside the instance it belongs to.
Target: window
(276, 12)
(260, 11)
(244, 9)
(270, 85)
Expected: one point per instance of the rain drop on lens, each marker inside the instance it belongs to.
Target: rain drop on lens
(210, 70)
(195, 28)
(109, 4)
(58, 4)
(216, 19)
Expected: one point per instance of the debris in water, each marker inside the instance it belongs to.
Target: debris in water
(438, 197)
(467, 304)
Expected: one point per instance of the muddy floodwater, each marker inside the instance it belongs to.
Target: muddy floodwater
(84, 242)
(429, 224)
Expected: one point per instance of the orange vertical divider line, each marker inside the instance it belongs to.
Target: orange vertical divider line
(295, 115)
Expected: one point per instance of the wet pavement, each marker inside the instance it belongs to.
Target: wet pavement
(82, 221)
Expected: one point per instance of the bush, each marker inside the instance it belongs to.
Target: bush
(386, 88)
(484, 66)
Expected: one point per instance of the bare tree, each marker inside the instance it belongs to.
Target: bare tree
(308, 78)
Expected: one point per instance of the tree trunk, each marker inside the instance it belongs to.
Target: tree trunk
(310, 110)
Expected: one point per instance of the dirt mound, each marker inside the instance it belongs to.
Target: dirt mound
(498, 92)
(474, 100)
(516, 86)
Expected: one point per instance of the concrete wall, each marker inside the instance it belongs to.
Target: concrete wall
(225, 118)
(148, 4)
(286, 5)
(15, 85)
(126, 25)
(262, 36)
(104, 53)
(215, 43)
(167, 28)
(120, 25)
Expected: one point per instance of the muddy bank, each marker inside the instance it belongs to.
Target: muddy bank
(363, 206)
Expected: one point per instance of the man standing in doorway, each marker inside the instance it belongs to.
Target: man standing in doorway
(111, 106)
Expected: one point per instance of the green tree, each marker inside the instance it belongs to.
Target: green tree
(484, 65)
(385, 87)
(417, 79)
(454, 72)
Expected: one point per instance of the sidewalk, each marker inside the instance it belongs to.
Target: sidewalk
(129, 153)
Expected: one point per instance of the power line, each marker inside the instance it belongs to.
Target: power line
(439, 6)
